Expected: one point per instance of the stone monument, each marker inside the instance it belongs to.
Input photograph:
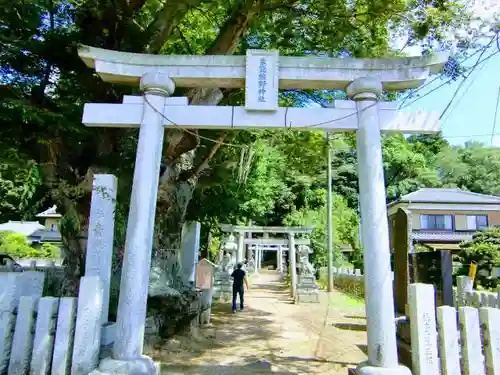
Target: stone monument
(307, 290)
(205, 282)
(251, 264)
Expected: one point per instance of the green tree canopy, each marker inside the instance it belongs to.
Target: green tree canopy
(484, 250)
(44, 85)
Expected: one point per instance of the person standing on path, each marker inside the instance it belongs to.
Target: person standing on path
(239, 277)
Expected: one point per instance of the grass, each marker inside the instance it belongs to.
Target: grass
(343, 300)
(351, 292)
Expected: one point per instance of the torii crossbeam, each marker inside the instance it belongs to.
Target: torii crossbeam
(339, 118)
(262, 74)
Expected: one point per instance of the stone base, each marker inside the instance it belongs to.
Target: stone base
(223, 291)
(309, 296)
(366, 369)
(205, 316)
(141, 366)
(108, 333)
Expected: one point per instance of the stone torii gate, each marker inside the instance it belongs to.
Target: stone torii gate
(259, 249)
(261, 73)
(291, 241)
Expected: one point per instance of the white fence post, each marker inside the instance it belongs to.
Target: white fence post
(65, 332)
(22, 343)
(472, 356)
(43, 341)
(464, 286)
(449, 340)
(498, 297)
(474, 350)
(423, 329)
(490, 323)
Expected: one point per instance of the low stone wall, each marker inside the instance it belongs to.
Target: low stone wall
(48, 335)
(54, 274)
(441, 346)
(464, 295)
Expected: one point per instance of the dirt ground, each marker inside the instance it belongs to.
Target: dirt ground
(272, 336)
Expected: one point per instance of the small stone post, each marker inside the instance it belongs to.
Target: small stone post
(381, 329)
(293, 264)
(99, 254)
(139, 240)
(464, 286)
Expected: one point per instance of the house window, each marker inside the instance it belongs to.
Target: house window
(436, 222)
(53, 228)
(477, 222)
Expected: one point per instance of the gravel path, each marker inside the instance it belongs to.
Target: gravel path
(272, 336)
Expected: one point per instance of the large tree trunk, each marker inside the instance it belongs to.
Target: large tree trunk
(181, 175)
(166, 21)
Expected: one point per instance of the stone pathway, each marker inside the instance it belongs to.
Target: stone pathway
(272, 336)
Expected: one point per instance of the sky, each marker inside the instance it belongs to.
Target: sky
(471, 114)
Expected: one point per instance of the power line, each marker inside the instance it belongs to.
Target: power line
(495, 117)
(457, 102)
(440, 75)
(189, 131)
(471, 135)
(451, 79)
(468, 75)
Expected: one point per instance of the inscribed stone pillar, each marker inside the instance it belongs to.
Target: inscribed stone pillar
(382, 351)
(101, 232)
(241, 247)
(190, 245)
(293, 264)
(139, 240)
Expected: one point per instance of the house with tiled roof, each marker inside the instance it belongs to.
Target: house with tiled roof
(434, 219)
(442, 218)
(38, 232)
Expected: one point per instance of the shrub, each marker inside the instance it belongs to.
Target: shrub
(484, 250)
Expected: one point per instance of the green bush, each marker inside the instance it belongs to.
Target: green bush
(16, 245)
(49, 250)
(484, 250)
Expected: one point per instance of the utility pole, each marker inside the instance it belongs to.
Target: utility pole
(329, 218)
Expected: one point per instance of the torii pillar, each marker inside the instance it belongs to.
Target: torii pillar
(292, 264)
(381, 328)
(134, 284)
